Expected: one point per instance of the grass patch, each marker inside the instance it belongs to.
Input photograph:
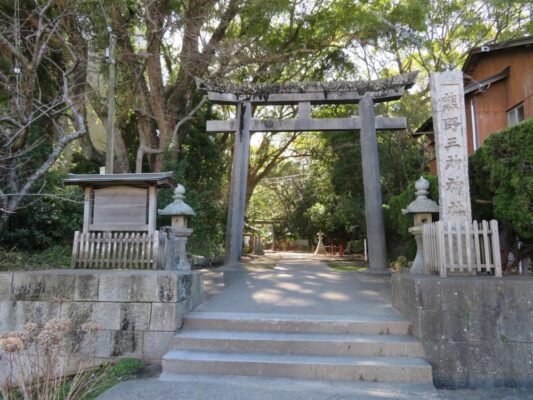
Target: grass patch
(121, 371)
(94, 381)
(18, 260)
(347, 267)
(259, 266)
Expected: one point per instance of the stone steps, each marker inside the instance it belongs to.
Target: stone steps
(298, 346)
(296, 323)
(374, 369)
(327, 344)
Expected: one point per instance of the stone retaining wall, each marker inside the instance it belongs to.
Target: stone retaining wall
(476, 331)
(138, 311)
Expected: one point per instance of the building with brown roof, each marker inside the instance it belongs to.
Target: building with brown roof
(498, 90)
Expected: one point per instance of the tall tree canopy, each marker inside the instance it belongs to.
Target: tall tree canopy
(53, 75)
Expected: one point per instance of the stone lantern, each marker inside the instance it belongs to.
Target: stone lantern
(320, 248)
(258, 246)
(179, 211)
(422, 209)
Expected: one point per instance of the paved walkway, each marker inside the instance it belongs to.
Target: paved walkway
(297, 284)
(253, 388)
(256, 388)
(303, 284)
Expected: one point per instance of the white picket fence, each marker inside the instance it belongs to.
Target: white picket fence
(461, 246)
(137, 250)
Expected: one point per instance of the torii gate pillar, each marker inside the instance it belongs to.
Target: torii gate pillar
(375, 228)
(305, 95)
(239, 175)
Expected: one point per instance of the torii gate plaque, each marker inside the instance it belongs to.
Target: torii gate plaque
(304, 95)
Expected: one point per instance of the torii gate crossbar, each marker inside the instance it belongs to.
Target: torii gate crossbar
(304, 95)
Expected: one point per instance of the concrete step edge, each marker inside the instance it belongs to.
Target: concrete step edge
(293, 317)
(207, 356)
(303, 323)
(374, 369)
(303, 348)
(212, 334)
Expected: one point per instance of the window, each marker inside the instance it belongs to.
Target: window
(515, 115)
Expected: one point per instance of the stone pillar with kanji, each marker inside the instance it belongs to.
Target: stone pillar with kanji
(449, 122)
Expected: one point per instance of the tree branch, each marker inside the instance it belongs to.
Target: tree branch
(15, 53)
(178, 125)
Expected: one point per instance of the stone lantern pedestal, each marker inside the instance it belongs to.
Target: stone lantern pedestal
(422, 209)
(258, 246)
(179, 211)
(320, 249)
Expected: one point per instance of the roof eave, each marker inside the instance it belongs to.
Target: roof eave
(161, 179)
(475, 53)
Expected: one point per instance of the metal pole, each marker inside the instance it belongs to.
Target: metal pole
(111, 105)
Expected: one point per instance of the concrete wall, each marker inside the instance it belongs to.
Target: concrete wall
(138, 311)
(476, 331)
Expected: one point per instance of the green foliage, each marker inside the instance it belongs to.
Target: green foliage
(45, 220)
(347, 267)
(52, 257)
(266, 41)
(330, 196)
(122, 370)
(80, 165)
(126, 366)
(105, 376)
(201, 168)
(502, 173)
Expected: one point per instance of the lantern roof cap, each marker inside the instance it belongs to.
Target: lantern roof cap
(421, 204)
(178, 206)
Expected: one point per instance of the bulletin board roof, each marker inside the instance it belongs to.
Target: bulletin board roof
(161, 179)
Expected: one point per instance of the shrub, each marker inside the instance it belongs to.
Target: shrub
(13, 259)
(200, 167)
(46, 220)
(501, 181)
(126, 366)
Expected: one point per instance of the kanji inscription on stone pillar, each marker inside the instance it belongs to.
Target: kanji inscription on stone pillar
(449, 123)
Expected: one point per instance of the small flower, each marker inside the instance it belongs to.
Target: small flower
(31, 327)
(11, 334)
(48, 338)
(11, 344)
(53, 331)
(32, 330)
(22, 336)
(58, 325)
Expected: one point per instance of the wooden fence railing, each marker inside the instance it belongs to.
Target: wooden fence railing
(114, 250)
(467, 247)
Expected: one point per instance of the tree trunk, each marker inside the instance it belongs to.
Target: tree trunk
(122, 160)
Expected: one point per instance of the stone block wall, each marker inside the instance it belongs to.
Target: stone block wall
(138, 311)
(476, 331)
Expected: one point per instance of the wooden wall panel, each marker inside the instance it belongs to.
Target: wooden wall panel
(520, 80)
(491, 110)
(120, 206)
(492, 104)
(528, 107)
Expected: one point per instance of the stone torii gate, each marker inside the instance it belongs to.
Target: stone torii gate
(305, 95)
